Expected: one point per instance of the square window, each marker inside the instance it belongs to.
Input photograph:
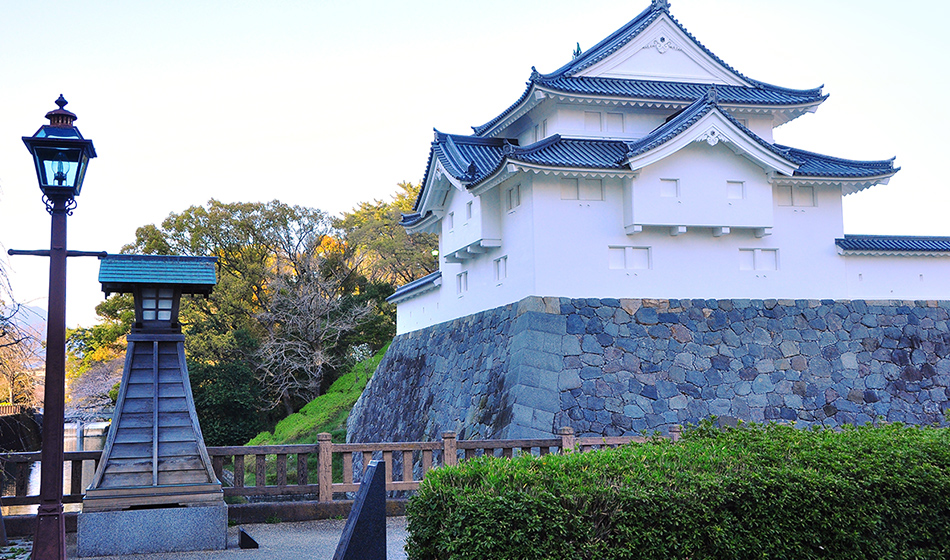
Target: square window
(615, 258)
(569, 189)
(758, 259)
(629, 258)
(735, 190)
(513, 197)
(766, 259)
(795, 196)
(746, 259)
(783, 196)
(803, 196)
(638, 258)
(592, 121)
(157, 304)
(670, 188)
(614, 122)
(591, 189)
(501, 268)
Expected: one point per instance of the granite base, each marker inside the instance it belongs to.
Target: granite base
(178, 529)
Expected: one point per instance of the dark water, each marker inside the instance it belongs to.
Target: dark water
(93, 439)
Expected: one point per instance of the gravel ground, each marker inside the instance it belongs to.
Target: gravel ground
(278, 541)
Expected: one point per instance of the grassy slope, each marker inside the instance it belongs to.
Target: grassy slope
(326, 413)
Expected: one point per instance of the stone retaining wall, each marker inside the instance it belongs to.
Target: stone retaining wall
(614, 367)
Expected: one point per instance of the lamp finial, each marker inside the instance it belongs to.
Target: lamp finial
(61, 118)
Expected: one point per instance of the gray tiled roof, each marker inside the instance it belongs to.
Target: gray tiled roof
(471, 159)
(809, 164)
(556, 151)
(194, 274)
(687, 118)
(818, 165)
(894, 243)
(419, 285)
(565, 79)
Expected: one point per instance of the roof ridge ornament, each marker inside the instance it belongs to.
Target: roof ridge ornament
(713, 95)
(472, 172)
(507, 148)
(661, 5)
(535, 75)
(577, 51)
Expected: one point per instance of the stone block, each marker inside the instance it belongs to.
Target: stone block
(589, 344)
(543, 360)
(720, 407)
(678, 402)
(537, 399)
(529, 304)
(575, 324)
(633, 411)
(762, 384)
(683, 360)
(666, 389)
(646, 316)
(167, 530)
(569, 379)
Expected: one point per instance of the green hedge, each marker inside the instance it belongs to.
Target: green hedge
(753, 492)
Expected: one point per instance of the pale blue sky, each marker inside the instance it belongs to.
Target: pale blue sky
(327, 104)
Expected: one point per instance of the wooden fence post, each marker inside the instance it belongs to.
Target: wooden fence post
(567, 439)
(675, 432)
(325, 467)
(449, 449)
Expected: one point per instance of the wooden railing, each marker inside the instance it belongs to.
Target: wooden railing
(11, 409)
(21, 463)
(325, 470)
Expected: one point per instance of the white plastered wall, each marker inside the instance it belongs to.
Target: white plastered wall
(897, 277)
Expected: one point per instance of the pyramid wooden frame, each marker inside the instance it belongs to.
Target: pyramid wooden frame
(154, 455)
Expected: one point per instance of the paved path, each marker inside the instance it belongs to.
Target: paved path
(278, 541)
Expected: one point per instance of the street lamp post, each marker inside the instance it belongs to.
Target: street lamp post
(60, 155)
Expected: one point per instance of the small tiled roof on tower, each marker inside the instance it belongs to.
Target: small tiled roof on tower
(121, 273)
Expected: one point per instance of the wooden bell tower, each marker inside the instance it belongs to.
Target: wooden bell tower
(154, 455)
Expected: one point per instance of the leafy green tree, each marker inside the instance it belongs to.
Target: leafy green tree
(104, 341)
(227, 398)
(249, 240)
(386, 252)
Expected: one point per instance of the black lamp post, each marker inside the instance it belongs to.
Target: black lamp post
(60, 155)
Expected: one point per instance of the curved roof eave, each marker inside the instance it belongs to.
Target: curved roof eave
(618, 39)
(631, 30)
(416, 287)
(760, 149)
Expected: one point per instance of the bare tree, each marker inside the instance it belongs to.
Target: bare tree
(307, 314)
(17, 361)
(18, 348)
(89, 393)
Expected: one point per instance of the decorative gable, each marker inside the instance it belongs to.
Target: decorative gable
(663, 52)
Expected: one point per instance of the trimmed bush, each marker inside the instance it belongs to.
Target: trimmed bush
(751, 492)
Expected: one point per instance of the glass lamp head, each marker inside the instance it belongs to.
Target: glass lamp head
(60, 154)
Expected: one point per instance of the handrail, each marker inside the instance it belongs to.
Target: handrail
(324, 470)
